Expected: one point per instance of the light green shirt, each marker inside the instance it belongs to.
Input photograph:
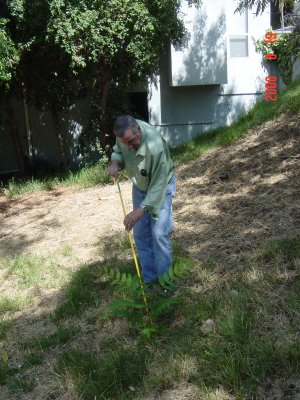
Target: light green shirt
(153, 157)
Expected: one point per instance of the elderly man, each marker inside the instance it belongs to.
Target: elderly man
(144, 154)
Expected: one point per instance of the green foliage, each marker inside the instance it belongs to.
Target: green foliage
(30, 269)
(288, 249)
(11, 304)
(249, 4)
(109, 376)
(92, 150)
(9, 55)
(5, 325)
(34, 357)
(5, 370)
(22, 384)
(97, 32)
(288, 101)
(260, 5)
(180, 270)
(61, 336)
(73, 48)
(147, 304)
(287, 49)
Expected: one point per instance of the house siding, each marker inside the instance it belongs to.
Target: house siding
(182, 111)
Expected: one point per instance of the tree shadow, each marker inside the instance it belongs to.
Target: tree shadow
(205, 56)
(15, 240)
(228, 203)
(248, 193)
(192, 94)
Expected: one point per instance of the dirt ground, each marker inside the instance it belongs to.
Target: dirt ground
(228, 202)
(48, 223)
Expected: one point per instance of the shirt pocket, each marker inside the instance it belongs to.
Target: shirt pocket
(143, 171)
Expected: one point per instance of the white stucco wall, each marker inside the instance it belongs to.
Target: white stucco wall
(184, 101)
(202, 59)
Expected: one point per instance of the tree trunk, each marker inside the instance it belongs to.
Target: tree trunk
(105, 88)
(15, 135)
(28, 130)
(105, 92)
(60, 141)
(281, 8)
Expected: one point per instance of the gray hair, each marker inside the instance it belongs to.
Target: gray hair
(124, 122)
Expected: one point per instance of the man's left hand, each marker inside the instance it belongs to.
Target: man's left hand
(132, 218)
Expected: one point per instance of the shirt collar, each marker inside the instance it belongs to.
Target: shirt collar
(141, 151)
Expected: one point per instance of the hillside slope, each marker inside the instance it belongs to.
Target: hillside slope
(233, 198)
(237, 213)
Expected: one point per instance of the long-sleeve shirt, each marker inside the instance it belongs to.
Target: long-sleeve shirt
(150, 167)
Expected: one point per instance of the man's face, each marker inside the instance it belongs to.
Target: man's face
(131, 140)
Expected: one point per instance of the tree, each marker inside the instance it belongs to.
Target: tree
(9, 60)
(9, 56)
(114, 44)
(71, 47)
(261, 6)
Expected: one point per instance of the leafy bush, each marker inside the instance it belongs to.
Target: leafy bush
(286, 47)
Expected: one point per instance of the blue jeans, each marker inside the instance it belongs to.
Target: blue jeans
(152, 237)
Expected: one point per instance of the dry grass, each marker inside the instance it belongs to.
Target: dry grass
(229, 202)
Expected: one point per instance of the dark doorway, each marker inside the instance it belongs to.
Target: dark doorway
(138, 102)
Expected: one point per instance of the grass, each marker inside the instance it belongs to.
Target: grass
(253, 341)
(22, 385)
(34, 357)
(82, 292)
(12, 304)
(5, 372)
(85, 177)
(5, 325)
(116, 375)
(247, 348)
(30, 270)
(61, 336)
(288, 101)
(89, 176)
(288, 249)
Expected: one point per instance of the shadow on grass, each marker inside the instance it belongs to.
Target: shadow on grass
(248, 194)
(106, 359)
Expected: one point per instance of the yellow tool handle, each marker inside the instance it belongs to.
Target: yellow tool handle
(132, 248)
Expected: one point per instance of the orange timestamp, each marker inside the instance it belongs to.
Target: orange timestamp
(271, 81)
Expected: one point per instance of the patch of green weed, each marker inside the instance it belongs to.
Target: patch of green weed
(30, 270)
(112, 376)
(22, 384)
(12, 304)
(61, 336)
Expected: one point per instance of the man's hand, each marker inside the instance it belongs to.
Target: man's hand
(113, 169)
(132, 218)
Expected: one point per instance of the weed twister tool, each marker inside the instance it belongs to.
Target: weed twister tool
(133, 250)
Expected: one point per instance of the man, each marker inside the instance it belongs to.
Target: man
(144, 154)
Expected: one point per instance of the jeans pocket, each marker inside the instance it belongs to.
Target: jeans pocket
(171, 187)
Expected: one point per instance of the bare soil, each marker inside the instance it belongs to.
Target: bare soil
(48, 223)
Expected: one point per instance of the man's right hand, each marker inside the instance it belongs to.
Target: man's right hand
(113, 169)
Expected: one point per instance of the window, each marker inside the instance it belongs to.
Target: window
(238, 37)
(238, 46)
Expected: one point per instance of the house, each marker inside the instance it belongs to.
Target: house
(208, 81)
(214, 77)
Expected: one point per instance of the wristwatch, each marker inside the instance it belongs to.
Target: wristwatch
(145, 208)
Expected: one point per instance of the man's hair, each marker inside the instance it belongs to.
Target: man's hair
(124, 122)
